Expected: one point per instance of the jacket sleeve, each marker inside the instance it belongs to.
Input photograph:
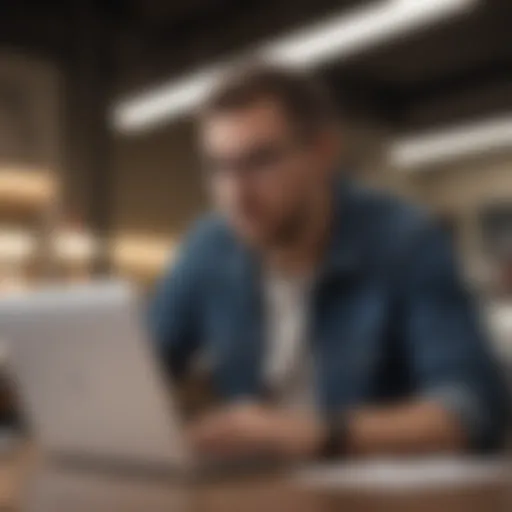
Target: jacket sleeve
(451, 357)
(175, 309)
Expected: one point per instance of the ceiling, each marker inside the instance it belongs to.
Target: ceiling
(459, 69)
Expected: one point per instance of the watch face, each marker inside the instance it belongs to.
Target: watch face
(334, 438)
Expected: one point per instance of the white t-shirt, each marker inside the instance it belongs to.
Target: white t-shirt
(288, 367)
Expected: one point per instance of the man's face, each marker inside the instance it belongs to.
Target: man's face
(263, 177)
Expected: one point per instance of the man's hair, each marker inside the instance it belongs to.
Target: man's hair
(303, 99)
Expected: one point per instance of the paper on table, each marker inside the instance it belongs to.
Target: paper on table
(404, 474)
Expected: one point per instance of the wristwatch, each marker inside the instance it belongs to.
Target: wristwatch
(334, 442)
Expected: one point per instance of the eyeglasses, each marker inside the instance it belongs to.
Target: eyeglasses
(260, 159)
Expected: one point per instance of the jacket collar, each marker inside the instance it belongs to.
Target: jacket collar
(344, 255)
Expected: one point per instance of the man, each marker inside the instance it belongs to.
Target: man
(333, 316)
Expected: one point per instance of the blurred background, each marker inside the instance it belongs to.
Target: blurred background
(98, 169)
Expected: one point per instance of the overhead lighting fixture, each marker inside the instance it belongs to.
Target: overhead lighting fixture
(442, 145)
(346, 34)
(339, 37)
(170, 100)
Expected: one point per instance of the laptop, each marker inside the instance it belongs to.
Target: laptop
(88, 382)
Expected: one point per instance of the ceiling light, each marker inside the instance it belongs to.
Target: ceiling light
(441, 145)
(170, 100)
(339, 37)
(346, 34)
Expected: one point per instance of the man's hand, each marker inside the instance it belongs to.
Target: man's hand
(251, 429)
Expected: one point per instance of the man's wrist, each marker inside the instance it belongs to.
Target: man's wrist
(335, 437)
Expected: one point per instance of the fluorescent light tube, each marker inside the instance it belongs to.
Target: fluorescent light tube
(167, 101)
(346, 34)
(442, 145)
(338, 37)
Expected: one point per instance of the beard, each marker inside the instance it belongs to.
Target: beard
(281, 234)
(291, 229)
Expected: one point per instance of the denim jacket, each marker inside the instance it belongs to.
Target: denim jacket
(390, 317)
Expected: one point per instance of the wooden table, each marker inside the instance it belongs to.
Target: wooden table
(27, 485)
